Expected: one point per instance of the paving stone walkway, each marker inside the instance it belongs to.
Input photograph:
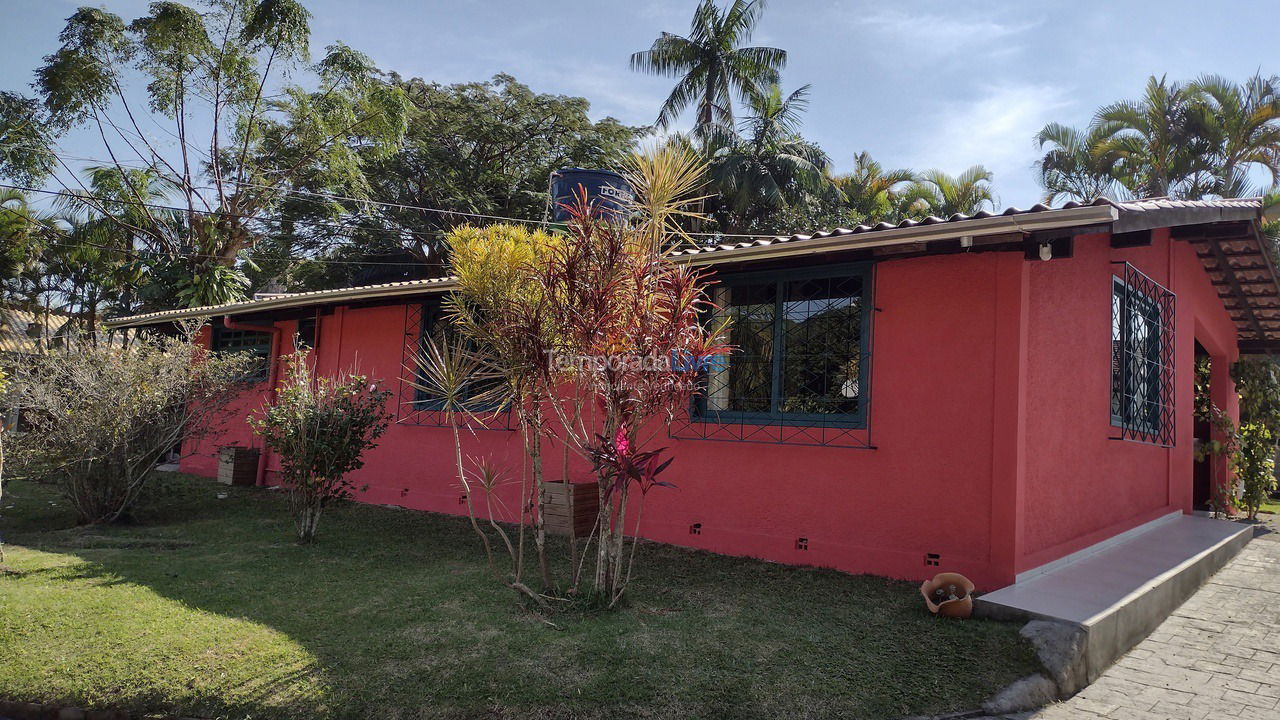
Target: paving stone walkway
(1217, 656)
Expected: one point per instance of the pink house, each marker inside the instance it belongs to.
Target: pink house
(984, 394)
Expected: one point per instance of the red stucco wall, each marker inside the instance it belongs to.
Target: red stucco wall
(989, 418)
(1081, 485)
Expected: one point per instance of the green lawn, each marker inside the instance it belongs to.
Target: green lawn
(206, 607)
(1270, 506)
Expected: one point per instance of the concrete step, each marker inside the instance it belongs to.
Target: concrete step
(1119, 591)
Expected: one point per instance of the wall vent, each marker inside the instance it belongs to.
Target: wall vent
(695, 529)
(802, 543)
(932, 559)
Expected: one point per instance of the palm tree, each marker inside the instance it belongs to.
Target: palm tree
(1242, 124)
(766, 168)
(1072, 168)
(710, 63)
(1155, 146)
(937, 193)
(24, 232)
(870, 190)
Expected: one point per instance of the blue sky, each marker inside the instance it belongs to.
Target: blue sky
(918, 84)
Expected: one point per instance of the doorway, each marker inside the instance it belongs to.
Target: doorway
(1202, 472)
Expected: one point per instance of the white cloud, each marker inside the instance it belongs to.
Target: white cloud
(994, 130)
(613, 91)
(930, 34)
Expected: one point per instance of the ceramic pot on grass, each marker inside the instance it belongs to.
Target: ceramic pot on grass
(948, 595)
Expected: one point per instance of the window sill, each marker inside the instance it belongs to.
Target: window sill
(817, 423)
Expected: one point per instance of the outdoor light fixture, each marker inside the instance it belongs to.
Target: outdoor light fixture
(1046, 251)
(966, 241)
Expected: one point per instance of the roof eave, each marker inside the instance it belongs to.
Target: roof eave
(781, 247)
(995, 225)
(279, 303)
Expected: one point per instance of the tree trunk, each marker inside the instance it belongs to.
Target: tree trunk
(539, 523)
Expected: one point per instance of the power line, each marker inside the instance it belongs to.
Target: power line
(196, 256)
(220, 214)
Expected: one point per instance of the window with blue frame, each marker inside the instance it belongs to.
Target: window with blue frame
(801, 341)
(257, 344)
(436, 326)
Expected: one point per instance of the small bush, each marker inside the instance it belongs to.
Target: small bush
(97, 419)
(1255, 466)
(320, 427)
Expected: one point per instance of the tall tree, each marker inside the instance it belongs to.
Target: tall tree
(1156, 146)
(478, 147)
(1073, 167)
(766, 168)
(937, 193)
(212, 84)
(1243, 129)
(870, 190)
(711, 63)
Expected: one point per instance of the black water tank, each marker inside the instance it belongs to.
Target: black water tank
(604, 189)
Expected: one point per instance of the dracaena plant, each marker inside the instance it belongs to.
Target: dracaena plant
(620, 310)
(576, 333)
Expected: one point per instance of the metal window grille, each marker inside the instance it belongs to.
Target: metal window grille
(800, 372)
(1142, 327)
(255, 343)
(416, 407)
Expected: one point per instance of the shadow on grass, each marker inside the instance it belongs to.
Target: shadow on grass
(393, 614)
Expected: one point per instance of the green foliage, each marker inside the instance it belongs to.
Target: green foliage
(78, 258)
(320, 427)
(1255, 466)
(21, 237)
(283, 25)
(26, 143)
(211, 284)
(1258, 384)
(871, 192)
(482, 147)
(769, 169)
(1184, 140)
(937, 193)
(99, 418)
(84, 72)
(710, 64)
(213, 77)
(1073, 168)
(1155, 143)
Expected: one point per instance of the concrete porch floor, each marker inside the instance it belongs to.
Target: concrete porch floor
(1121, 590)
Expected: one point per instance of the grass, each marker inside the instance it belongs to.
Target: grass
(1270, 505)
(205, 606)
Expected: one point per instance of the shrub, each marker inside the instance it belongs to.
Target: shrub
(1255, 466)
(581, 327)
(320, 427)
(97, 419)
